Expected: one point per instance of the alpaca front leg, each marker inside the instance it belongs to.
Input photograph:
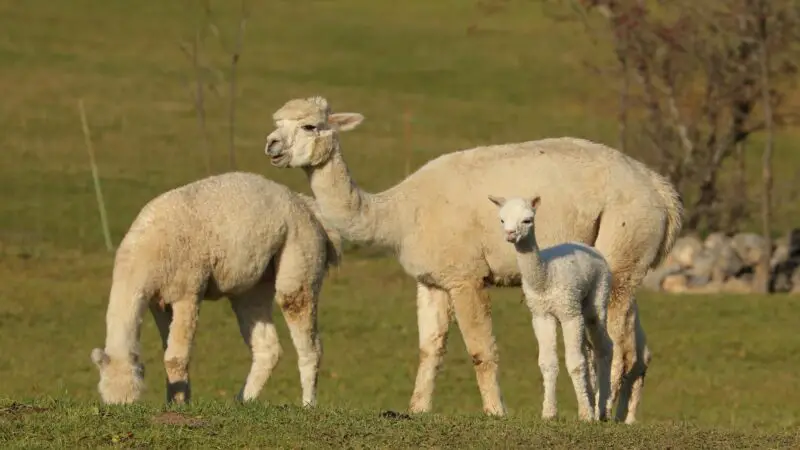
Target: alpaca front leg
(433, 320)
(300, 311)
(544, 327)
(573, 331)
(162, 315)
(473, 313)
(179, 347)
(253, 311)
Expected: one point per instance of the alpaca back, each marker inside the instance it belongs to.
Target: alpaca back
(574, 272)
(222, 230)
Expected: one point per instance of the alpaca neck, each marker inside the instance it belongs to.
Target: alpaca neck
(124, 321)
(359, 216)
(531, 265)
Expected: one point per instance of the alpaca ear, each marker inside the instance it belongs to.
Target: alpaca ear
(535, 202)
(499, 201)
(100, 358)
(345, 121)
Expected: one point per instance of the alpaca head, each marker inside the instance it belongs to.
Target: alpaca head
(306, 132)
(121, 380)
(516, 216)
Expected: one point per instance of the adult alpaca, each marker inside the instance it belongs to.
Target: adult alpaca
(444, 231)
(237, 235)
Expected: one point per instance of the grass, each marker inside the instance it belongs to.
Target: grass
(724, 369)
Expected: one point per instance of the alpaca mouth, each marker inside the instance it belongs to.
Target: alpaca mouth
(281, 160)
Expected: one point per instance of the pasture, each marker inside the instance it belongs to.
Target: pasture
(430, 77)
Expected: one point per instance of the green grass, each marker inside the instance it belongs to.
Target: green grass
(725, 368)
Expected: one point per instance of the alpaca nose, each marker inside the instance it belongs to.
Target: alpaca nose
(510, 236)
(273, 147)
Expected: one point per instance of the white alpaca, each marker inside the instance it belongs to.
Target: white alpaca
(237, 235)
(570, 284)
(433, 220)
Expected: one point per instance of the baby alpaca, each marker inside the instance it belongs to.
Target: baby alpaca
(568, 283)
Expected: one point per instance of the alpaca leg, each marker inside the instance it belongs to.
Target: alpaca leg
(601, 364)
(591, 376)
(433, 320)
(179, 348)
(544, 326)
(630, 393)
(299, 308)
(473, 313)
(574, 335)
(163, 319)
(253, 311)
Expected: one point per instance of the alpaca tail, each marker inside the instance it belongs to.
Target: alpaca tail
(674, 209)
(333, 240)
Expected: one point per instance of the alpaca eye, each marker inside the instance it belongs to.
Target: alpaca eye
(527, 221)
(309, 127)
(502, 221)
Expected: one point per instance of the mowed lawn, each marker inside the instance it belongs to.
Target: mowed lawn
(431, 77)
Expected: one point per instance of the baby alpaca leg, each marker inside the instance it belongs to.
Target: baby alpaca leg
(162, 315)
(544, 326)
(631, 391)
(253, 311)
(179, 347)
(433, 319)
(473, 313)
(300, 311)
(601, 353)
(574, 335)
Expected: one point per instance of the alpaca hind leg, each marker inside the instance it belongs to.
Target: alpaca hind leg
(473, 313)
(253, 311)
(179, 347)
(574, 335)
(631, 391)
(433, 320)
(299, 308)
(601, 363)
(544, 327)
(162, 315)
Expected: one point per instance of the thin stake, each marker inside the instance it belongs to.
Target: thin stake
(98, 192)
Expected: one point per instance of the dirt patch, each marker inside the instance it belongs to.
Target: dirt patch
(16, 409)
(177, 419)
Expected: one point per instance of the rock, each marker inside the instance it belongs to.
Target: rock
(749, 247)
(718, 260)
(655, 278)
(685, 250)
(675, 283)
(736, 286)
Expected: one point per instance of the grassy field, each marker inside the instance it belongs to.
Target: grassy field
(725, 369)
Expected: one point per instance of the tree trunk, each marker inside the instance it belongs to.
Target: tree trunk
(762, 279)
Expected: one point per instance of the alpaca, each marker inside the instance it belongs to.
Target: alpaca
(569, 284)
(433, 220)
(237, 235)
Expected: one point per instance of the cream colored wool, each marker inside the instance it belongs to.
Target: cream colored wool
(236, 235)
(445, 236)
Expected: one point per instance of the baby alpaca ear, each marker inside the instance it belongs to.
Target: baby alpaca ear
(100, 358)
(535, 202)
(499, 201)
(345, 121)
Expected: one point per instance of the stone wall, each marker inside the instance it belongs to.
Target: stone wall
(724, 263)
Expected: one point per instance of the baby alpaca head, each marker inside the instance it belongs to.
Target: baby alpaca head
(121, 380)
(306, 133)
(516, 216)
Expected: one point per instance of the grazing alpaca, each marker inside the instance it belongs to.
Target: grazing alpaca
(450, 244)
(237, 235)
(569, 284)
